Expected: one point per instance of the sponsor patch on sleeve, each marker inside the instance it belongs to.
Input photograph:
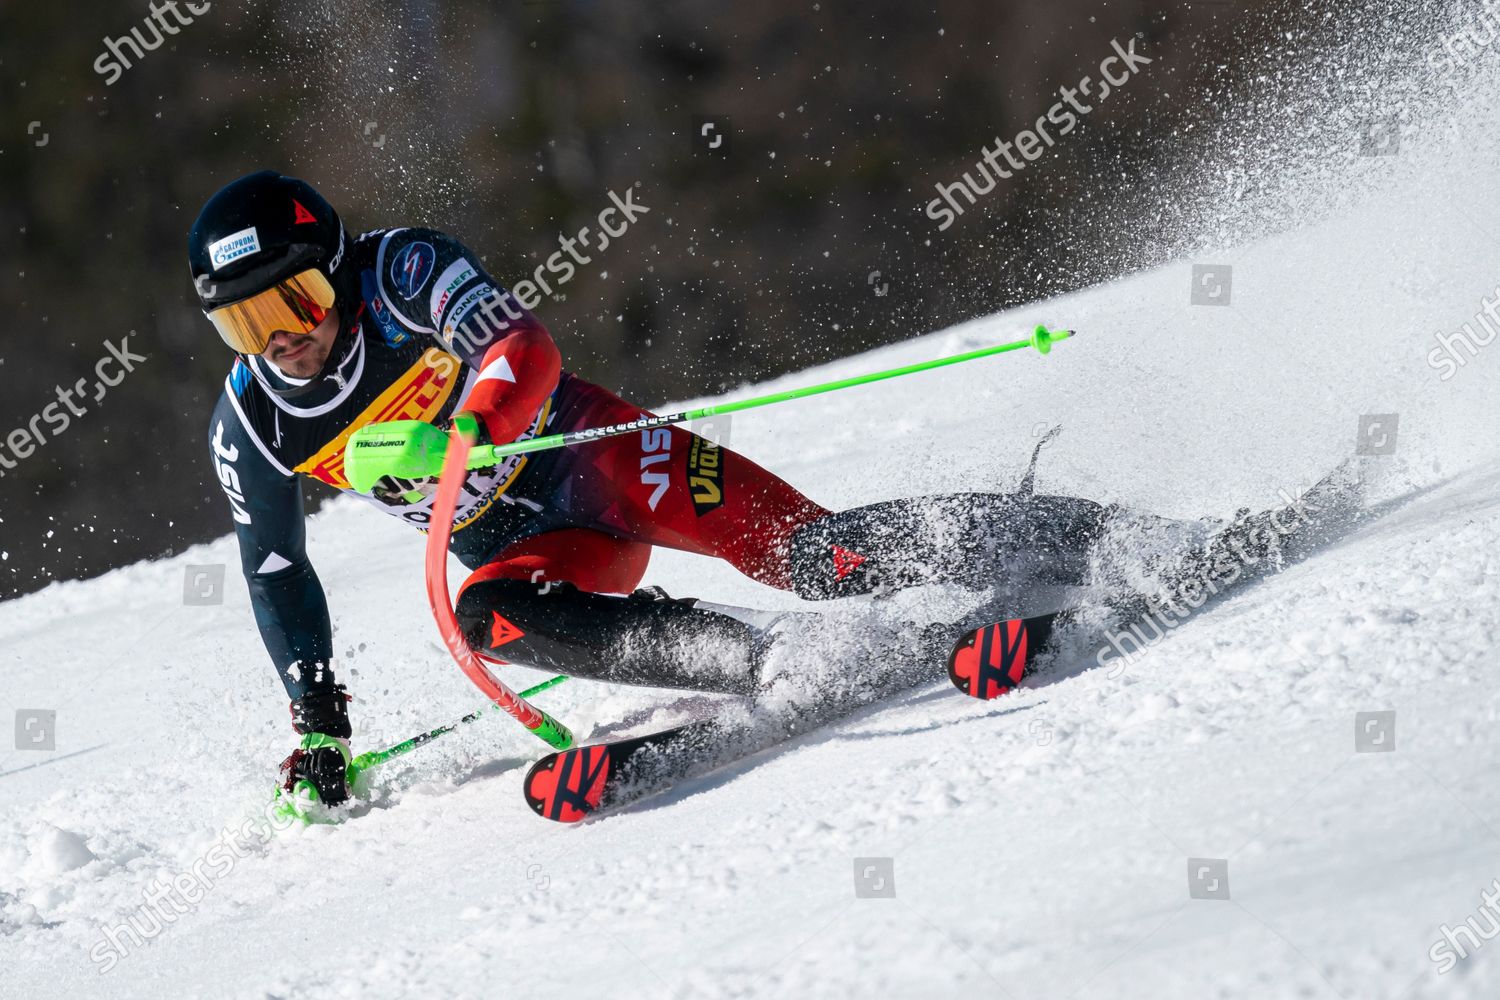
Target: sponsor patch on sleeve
(384, 321)
(410, 269)
(233, 247)
(474, 335)
(454, 276)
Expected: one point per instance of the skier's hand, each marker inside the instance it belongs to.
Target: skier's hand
(474, 428)
(321, 760)
(395, 492)
(395, 450)
(320, 763)
(471, 425)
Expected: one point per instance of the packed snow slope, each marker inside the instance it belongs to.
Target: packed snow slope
(1039, 844)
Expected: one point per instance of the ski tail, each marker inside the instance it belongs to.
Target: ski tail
(991, 660)
(571, 785)
(568, 786)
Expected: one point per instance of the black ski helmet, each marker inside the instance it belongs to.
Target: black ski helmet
(262, 229)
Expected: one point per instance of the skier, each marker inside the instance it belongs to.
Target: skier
(334, 332)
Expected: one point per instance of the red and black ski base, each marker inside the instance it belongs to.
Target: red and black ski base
(992, 659)
(571, 785)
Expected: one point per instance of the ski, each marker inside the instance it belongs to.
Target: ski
(571, 785)
(984, 663)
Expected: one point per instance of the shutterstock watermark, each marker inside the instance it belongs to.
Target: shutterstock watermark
(23, 442)
(1378, 435)
(203, 585)
(1375, 732)
(1458, 50)
(164, 903)
(711, 134)
(1458, 943)
(1446, 359)
(1033, 142)
(1169, 610)
(113, 62)
(36, 729)
(1208, 878)
(477, 319)
(1213, 284)
(875, 878)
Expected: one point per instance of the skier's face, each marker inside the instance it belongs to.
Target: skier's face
(303, 355)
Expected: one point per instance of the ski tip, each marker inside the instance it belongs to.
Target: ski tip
(568, 787)
(992, 659)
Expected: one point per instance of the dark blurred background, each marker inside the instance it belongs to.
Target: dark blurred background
(508, 124)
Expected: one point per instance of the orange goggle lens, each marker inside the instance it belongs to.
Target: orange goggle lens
(296, 305)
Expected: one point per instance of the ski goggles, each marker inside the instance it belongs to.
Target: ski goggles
(296, 305)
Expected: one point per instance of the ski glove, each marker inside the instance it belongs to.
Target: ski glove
(320, 763)
(321, 760)
(426, 448)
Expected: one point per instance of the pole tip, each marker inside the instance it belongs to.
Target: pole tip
(1042, 338)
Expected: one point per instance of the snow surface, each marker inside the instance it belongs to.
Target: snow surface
(1040, 843)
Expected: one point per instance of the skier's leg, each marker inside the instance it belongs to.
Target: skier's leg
(556, 602)
(970, 539)
(666, 486)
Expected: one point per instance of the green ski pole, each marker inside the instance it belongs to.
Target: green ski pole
(374, 758)
(412, 449)
(289, 807)
(484, 455)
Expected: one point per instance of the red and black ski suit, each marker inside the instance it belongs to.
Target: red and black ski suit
(563, 597)
(558, 541)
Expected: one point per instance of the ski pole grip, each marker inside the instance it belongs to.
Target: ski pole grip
(553, 732)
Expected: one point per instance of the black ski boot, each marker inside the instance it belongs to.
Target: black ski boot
(645, 639)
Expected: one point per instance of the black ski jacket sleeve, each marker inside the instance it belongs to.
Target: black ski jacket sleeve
(290, 608)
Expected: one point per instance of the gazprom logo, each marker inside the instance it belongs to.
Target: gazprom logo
(233, 247)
